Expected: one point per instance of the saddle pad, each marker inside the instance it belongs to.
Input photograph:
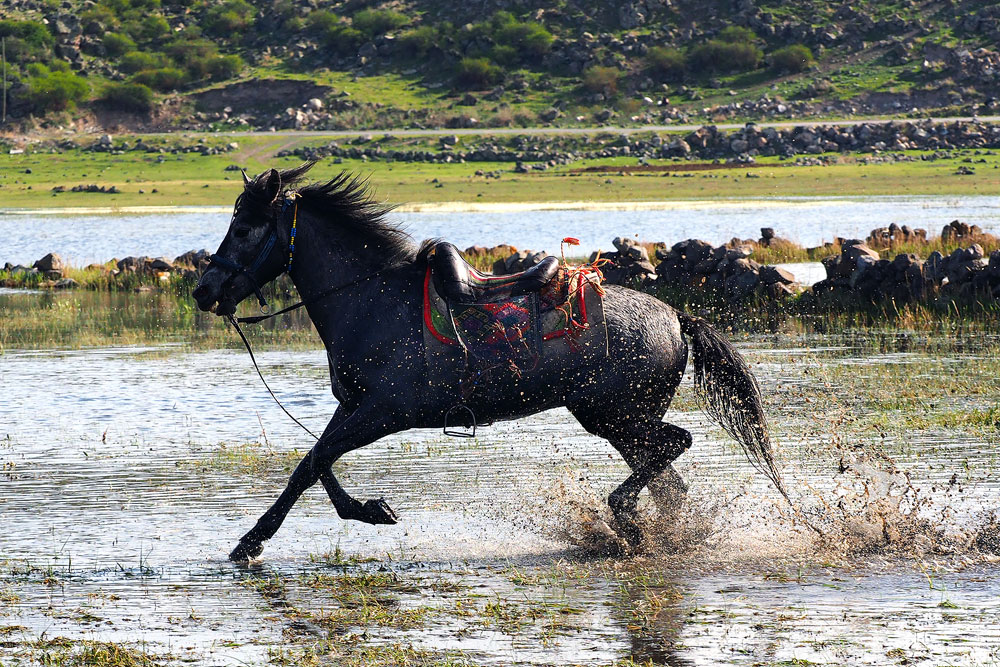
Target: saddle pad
(563, 319)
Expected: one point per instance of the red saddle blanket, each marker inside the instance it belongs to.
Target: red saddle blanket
(517, 333)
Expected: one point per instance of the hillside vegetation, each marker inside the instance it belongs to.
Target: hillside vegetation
(203, 64)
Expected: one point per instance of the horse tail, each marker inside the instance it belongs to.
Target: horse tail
(729, 393)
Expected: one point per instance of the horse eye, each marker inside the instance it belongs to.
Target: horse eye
(241, 232)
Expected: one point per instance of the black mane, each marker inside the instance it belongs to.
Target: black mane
(347, 202)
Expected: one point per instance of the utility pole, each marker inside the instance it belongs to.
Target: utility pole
(3, 57)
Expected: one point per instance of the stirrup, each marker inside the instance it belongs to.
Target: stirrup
(462, 432)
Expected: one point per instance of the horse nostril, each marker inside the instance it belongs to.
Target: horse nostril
(199, 291)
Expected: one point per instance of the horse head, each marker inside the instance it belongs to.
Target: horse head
(254, 252)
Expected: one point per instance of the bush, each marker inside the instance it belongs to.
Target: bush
(666, 63)
(735, 34)
(224, 67)
(334, 33)
(163, 79)
(230, 19)
(32, 32)
(718, 56)
(528, 39)
(133, 97)
(372, 22)
(419, 41)
(26, 40)
(137, 61)
(602, 80)
(55, 89)
(117, 44)
(791, 58)
(149, 29)
(477, 73)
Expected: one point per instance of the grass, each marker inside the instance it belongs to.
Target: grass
(249, 458)
(189, 179)
(63, 652)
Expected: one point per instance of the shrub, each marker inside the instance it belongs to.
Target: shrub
(230, 19)
(26, 40)
(372, 22)
(149, 29)
(528, 39)
(718, 56)
(133, 97)
(665, 62)
(33, 33)
(505, 55)
(602, 80)
(55, 89)
(163, 79)
(334, 33)
(137, 61)
(224, 67)
(419, 41)
(117, 44)
(735, 34)
(791, 58)
(477, 73)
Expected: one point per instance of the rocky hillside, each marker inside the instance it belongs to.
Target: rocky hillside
(420, 63)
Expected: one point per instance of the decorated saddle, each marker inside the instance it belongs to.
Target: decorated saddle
(476, 323)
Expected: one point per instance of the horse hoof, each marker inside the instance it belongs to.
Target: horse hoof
(378, 512)
(628, 530)
(245, 552)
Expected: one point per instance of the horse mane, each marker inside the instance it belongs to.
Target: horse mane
(347, 202)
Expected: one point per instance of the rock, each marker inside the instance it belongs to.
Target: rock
(161, 264)
(66, 283)
(106, 140)
(770, 275)
(314, 104)
(767, 233)
(51, 262)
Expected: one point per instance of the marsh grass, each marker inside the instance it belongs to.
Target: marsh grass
(63, 652)
(248, 458)
(86, 318)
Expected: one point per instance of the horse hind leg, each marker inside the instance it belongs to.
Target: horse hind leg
(649, 447)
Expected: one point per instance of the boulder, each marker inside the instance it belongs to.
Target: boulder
(51, 262)
(769, 275)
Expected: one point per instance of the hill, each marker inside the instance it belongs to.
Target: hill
(317, 64)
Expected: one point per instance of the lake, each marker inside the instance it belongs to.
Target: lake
(82, 239)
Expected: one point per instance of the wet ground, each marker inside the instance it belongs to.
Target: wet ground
(127, 474)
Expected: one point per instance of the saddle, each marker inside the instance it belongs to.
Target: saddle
(475, 322)
(459, 282)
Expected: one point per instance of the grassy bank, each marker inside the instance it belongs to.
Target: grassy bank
(190, 179)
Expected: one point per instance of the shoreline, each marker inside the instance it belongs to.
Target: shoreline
(510, 207)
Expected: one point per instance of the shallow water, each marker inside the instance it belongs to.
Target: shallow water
(83, 239)
(128, 473)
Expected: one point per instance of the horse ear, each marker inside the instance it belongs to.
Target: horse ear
(246, 179)
(272, 185)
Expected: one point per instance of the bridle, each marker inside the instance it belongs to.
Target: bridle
(268, 258)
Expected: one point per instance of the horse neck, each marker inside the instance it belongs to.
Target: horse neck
(330, 269)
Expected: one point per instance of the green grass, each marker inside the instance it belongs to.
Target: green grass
(190, 179)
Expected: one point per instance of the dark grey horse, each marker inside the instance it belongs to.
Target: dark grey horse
(361, 279)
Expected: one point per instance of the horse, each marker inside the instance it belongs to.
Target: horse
(361, 277)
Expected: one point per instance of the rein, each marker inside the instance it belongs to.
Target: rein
(236, 321)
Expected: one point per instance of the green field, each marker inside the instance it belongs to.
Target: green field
(190, 179)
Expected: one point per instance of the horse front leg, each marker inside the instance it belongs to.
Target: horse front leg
(345, 432)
